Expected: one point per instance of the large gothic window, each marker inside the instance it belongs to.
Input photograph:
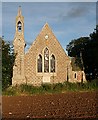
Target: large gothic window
(46, 63)
(39, 62)
(19, 26)
(46, 60)
(52, 63)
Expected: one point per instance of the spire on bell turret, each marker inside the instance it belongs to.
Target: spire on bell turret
(19, 11)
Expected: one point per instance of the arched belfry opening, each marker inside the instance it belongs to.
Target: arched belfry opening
(19, 26)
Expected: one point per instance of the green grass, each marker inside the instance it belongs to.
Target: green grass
(50, 88)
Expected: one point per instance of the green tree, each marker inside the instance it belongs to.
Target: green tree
(93, 48)
(85, 49)
(76, 48)
(7, 63)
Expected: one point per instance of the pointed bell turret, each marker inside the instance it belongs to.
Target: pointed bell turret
(19, 50)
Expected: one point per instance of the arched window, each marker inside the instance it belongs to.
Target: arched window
(52, 63)
(39, 63)
(19, 26)
(46, 60)
(75, 75)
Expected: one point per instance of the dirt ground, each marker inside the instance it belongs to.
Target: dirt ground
(65, 106)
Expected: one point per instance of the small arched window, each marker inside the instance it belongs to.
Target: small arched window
(75, 75)
(46, 60)
(19, 26)
(52, 63)
(39, 63)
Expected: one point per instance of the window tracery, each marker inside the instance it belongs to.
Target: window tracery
(46, 63)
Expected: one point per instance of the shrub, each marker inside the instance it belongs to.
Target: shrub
(10, 91)
(46, 88)
(57, 87)
(51, 88)
(25, 88)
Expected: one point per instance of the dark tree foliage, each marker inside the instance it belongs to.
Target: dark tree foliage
(76, 48)
(77, 45)
(92, 54)
(7, 64)
(85, 49)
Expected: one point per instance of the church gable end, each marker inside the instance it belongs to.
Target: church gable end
(46, 58)
(44, 62)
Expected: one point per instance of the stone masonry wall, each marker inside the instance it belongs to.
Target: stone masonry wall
(38, 46)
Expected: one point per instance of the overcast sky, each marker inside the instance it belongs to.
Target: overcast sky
(68, 20)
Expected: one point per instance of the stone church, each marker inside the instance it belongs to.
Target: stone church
(44, 62)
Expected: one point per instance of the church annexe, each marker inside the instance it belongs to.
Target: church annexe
(44, 62)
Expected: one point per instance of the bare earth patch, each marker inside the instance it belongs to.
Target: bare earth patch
(70, 105)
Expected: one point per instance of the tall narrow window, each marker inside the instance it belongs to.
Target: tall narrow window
(46, 60)
(52, 63)
(19, 26)
(39, 62)
(75, 75)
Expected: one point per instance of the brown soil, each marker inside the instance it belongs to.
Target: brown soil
(71, 105)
